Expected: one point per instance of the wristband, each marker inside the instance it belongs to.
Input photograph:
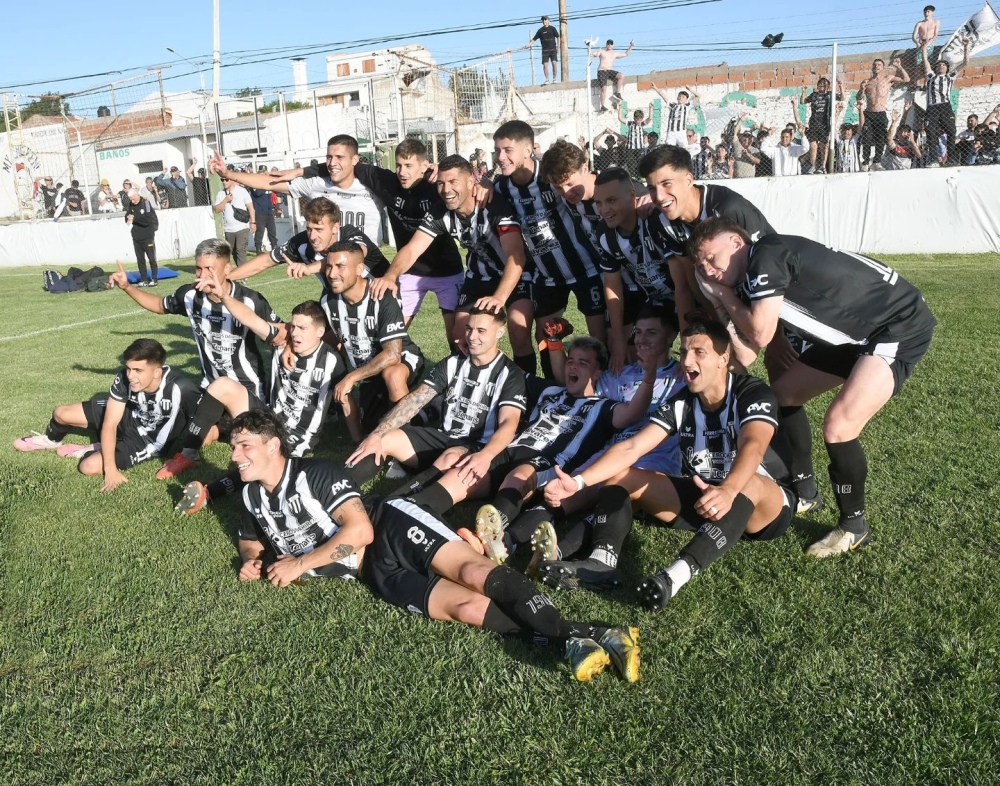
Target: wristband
(581, 484)
(550, 344)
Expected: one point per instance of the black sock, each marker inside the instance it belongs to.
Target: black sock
(508, 502)
(546, 365)
(209, 412)
(152, 269)
(527, 363)
(364, 470)
(496, 621)
(56, 431)
(521, 600)
(715, 538)
(612, 524)
(576, 537)
(417, 482)
(848, 473)
(524, 526)
(435, 497)
(795, 424)
(224, 486)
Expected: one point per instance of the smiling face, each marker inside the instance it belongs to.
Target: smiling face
(341, 160)
(513, 155)
(703, 367)
(255, 457)
(323, 233)
(581, 372)
(575, 187)
(143, 375)
(410, 170)
(482, 334)
(673, 191)
(653, 339)
(343, 270)
(615, 202)
(455, 188)
(305, 334)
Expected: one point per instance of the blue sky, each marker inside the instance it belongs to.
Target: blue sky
(80, 38)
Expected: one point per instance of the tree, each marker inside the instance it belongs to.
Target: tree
(247, 92)
(49, 105)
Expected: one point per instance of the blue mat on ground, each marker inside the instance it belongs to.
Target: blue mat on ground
(161, 273)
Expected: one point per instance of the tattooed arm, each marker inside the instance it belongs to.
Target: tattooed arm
(399, 415)
(391, 354)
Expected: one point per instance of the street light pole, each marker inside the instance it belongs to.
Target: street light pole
(563, 42)
(216, 61)
(204, 103)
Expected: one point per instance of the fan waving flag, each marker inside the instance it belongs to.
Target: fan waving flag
(982, 30)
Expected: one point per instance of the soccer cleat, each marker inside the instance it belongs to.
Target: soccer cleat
(572, 575)
(544, 547)
(840, 541)
(622, 645)
(77, 451)
(194, 498)
(586, 658)
(654, 591)
(470, 537)
(807, 505)
(175, 466)
(489, 530)
(35, 441)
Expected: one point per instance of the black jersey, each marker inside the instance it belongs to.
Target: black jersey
(159, 416)
(715, 201)
(833, 297)
(296, 518)
(298, 249)
(226, 347)
(641, 257)
(708, 440)
(479, 232)
(301, 397)
(822, 105)
(365, 327)
(566, 429)
(474, 394)
(560, 248)
(549, 37)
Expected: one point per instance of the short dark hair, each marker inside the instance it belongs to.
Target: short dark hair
(346, 247)
(614, 174)
(213, 247)
(545, 17)
(929, 8)
(321, 207)
(665, 314)
(148, 349)
(684, 93)
(711, 228)
(652, 135)
(516, 130)
(672, 156)
(716, 332)
(344, 139)
(609, 41)
(264, 424)
(455, 162)
(411, 147)
(560, 161)
(74, 183)
(594, 345)
(500, 315)
(311, 309)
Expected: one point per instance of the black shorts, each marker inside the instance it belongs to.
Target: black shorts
(550, 56)
(512, 457)
(818, 131)
(131, 447)
(397, 564)
(429, 443)
(550, 300)
(689, 494)
(902, 355)
(631, 303)
(474, 288)
(373, 396)
(798, 343)
(606, 76)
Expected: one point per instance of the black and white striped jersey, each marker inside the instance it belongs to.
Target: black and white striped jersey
(715, 201)
(939, 87)
(586, 215)
(298, 249)
(474, 394)
(365, 327)
(301, 397)
(562, 251)
(708, 440)
(677, 116)
(564, 428)
(226, 347)
(635, 136)
(157, 417)
(479, 232)
(833, 297)
(641, 258)
(357, 205)
(297, 517)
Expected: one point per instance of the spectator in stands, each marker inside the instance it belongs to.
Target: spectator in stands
(264, 215)
(722, 164)
(238, 220)
(635, 136)
(701, 158)
(549, 38)
(940, 117)
(607, 75)
(74, 199)
(966, 140)
(174, 187)
(874, 95)
(820, 123)
(691, 142)
(652, 140)
(766, 167)
(901, 146)
(151, 192)
(676, 119)
(49, 194)
(746, 156)
(785, 155)
(123, 194)
(107, 202)
(987, 144)
(609, 152)
(926, 30)
(847, 151)
(199, 184)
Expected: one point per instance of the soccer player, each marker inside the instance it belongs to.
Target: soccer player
(226, 347)
(147, 407)
(725, 425)
(565, 167)
(372, 336)
(565, 258)
(496, 276)
(360, 208)
(306, 517)
(484, 398)
(304, 252)
(869, 326)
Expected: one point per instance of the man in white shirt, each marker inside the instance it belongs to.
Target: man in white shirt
(785, 154)
(238, 218)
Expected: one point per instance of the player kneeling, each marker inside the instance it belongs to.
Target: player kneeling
(306, 517)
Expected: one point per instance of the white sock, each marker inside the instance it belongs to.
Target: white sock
(679, 574)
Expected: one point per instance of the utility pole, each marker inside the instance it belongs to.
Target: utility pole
(563, 41)
(215, 52)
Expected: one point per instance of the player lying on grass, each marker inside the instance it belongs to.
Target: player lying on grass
(725, 425)
(306, 517)
(869, 328)
(147, 407)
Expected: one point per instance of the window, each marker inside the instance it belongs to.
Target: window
(150, 166)
(250, 151)
(368, 66)
(343, 69)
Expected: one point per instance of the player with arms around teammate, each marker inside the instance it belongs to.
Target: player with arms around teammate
(305, 517)
(735, 487)
(147, 407)
(869, 326)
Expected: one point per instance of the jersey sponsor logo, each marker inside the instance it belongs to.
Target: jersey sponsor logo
(760, 281)
(394, 326)
(522, 399)
(760, 406)
(340, 486)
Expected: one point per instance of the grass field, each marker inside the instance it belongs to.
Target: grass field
(129, 652)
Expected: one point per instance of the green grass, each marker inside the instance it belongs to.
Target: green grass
(129, 652)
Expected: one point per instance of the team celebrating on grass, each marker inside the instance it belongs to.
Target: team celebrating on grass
(560, 457)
